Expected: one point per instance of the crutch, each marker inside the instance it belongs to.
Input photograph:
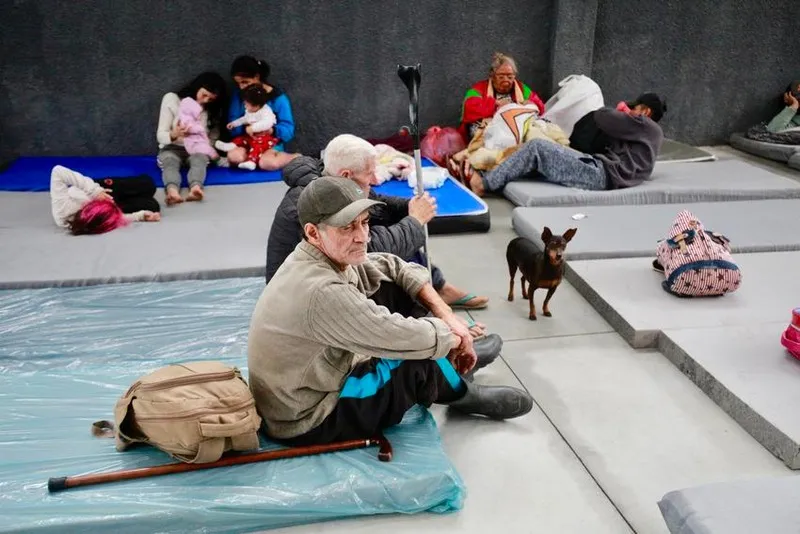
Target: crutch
(411, 78)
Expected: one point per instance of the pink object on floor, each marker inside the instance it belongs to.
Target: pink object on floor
(791, 336)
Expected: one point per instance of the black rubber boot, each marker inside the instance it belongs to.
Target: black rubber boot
(487, 350)
(495, 402)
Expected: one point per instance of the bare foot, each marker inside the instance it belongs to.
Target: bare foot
(479, 330)
(195, 194)
(476, 184)
(173, 196)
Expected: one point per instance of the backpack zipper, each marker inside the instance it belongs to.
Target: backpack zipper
(187, 380)
(202, 411)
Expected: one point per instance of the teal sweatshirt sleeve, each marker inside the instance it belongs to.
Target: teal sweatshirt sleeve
(284, 127)
(782, 120)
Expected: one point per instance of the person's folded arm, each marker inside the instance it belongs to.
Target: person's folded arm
(409, 276)
(341, 316)
(782, 120)
(403, 239)
(619, 125)
(477, 107)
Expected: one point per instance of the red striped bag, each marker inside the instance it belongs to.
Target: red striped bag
(697, 262)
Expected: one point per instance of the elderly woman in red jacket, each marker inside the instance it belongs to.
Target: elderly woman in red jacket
(485, 97)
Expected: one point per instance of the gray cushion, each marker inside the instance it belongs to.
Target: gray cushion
(628, 293)
(676, 152)
(632, 231)
(744, 368)
(688, 182)
(773, 151)
(770, 505)
(794, 161)
(225, 235)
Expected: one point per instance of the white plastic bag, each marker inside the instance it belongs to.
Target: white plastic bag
(578, 96)
(432, 178)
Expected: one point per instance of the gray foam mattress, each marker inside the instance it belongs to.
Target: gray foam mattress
(633, 231)
(669, 183)
(773, 151)
(226, 235)
(794, 161)
(749, 374)
(628, 294)
(768, 506)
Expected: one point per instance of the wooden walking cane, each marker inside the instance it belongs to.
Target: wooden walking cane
(62, 483)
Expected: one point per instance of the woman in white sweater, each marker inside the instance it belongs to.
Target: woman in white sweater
(208, 90)
(87, 207)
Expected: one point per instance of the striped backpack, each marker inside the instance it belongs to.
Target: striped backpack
(697, 262)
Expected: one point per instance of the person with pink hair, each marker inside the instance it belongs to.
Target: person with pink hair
(86, 207)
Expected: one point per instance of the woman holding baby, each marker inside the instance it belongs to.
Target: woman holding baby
(247, 71)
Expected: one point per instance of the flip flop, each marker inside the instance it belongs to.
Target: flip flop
(461, 304)
(456, 169)
(472, 324)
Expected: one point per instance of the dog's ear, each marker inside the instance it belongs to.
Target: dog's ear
(547, 235)
(569, 234)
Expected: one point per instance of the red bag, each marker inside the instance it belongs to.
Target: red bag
(441, 143)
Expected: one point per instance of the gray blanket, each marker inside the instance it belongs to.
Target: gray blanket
(759, 132)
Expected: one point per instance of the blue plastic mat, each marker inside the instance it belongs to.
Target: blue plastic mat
(452, 199)
(66, 355)
(33, 174)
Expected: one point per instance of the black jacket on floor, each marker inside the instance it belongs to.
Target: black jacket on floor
(391, 228)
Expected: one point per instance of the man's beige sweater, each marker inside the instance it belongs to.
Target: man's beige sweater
(313, 323)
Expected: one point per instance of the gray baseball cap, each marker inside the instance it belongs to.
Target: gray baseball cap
(333, 201)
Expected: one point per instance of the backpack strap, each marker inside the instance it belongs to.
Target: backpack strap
(209, 450)
(718, 238)
(681, 240)
(241, 434)
(103, 429)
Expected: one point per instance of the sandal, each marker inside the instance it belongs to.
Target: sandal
(472, 324)
(461, 304)
(455, 168)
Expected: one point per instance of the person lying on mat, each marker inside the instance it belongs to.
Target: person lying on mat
(397, 224)
(87, 206)
(246, 71)
(622, 154)
(788, 118)
(208, 90)
(483, 99)
(327, 364)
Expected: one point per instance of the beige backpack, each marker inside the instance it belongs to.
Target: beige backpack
(193, 411)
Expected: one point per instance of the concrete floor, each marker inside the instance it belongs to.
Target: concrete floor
(613, 428)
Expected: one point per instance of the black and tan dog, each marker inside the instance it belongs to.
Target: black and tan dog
(542, 270)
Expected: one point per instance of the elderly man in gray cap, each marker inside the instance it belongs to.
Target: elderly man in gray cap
(327, 363)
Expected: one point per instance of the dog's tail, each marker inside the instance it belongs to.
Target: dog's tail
(512, 262)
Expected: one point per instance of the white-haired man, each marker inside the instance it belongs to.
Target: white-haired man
(397, 224)
(328, 364)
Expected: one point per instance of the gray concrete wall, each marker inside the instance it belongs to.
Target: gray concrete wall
(86, 78)
(721, 64)
(89, 80)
